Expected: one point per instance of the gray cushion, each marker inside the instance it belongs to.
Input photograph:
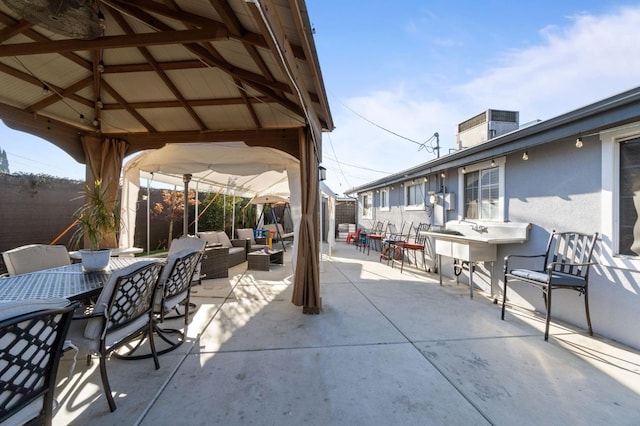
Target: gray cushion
(246, 234)
(35, 257)
(224, 239)
(557, 278)
(19, 307)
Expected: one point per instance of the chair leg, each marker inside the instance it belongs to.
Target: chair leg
(402, 263)
(586, 308)
(105, 382)
(546, 326)
(504, 297)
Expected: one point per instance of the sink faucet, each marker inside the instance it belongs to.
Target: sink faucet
(474, 226)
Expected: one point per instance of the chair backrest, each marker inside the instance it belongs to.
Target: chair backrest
(566, 249)
(126, 298)
(419, 237)
(31, 344)
(246, 234)
(176, 278)
(405, 230)
(392, 230)
(189, 243)
(35, 257)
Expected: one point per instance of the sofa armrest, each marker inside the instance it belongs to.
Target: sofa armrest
(241, 243)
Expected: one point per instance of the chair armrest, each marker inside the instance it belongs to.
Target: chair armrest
(519, 256)
(241, 243)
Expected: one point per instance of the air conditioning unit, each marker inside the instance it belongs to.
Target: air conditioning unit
(485, 126)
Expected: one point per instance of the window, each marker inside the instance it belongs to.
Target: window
(384, 199)
(367, 211)
(629, 198)
(414, 196)
(482, 189)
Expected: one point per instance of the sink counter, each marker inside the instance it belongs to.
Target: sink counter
(473, 238)
(472, 242)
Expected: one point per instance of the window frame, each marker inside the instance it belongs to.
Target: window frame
(384, 200)
(407, 186)
(499, 163)
(366, 202)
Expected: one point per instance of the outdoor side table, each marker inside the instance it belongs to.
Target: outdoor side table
(215, 262)
(261, 261)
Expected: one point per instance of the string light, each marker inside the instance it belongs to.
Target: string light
(45, 90)
(525, 156)
(579, 143)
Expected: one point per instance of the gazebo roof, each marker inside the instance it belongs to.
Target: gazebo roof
(159, 72)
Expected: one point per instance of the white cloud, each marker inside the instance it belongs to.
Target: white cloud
(592, 58)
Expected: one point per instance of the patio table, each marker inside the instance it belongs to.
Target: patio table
(69, 282)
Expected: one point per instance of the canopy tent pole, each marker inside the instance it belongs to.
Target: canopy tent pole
(197, 211)
(224, 212)
(185, 226)
(149, 215)
(233, 214)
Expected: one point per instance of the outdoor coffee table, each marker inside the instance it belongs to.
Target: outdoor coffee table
(261, 261)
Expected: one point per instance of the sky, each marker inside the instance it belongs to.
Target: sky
(396, 73)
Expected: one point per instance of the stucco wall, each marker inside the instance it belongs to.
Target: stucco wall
(559, 187)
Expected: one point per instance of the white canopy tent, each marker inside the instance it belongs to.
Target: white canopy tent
(232, 167)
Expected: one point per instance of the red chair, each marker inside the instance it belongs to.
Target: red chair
(353, 236)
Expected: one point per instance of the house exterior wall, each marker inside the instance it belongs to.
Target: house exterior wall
(559, 188)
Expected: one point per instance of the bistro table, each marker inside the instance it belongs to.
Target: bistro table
(68, 282)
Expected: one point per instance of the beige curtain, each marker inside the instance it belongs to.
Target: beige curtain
(103, 158)
(306, 285)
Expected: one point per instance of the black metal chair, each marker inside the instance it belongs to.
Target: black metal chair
(566, 266)
(122, 313)
(389, 250)
(32, 336)
(174, 290)
(377, 235)
(418, 245)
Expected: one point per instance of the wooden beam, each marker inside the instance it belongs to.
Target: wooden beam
(63, 135)
(115, 42)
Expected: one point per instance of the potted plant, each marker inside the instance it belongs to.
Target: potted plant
(98, 222)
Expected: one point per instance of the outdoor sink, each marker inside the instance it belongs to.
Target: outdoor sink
(475, 241)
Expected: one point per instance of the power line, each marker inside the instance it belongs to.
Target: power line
(422, 145)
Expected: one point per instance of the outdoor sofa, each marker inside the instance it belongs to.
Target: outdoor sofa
(237, 248)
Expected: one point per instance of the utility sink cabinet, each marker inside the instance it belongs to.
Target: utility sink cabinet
(468, 251)
(475, 242)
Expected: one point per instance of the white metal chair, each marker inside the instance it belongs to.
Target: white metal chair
(35, 257)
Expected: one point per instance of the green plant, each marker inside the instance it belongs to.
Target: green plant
(97, 218)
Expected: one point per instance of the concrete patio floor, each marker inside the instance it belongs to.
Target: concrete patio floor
(388, 348)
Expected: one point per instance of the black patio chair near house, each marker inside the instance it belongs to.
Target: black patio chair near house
(32, 336)
(567, 261)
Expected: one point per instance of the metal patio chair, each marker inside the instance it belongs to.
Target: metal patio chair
(390, 251)
(123, 312)
(418, 245)
(35, 257)
(32, 336)
(567, 261)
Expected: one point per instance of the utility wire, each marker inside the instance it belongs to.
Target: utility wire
(422, 145)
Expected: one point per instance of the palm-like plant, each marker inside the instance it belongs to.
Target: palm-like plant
(97, 219)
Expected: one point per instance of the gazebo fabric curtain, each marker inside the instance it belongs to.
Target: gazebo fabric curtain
(306, 285)
(104, 159)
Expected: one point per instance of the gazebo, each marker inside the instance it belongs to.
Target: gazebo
(104, 79)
